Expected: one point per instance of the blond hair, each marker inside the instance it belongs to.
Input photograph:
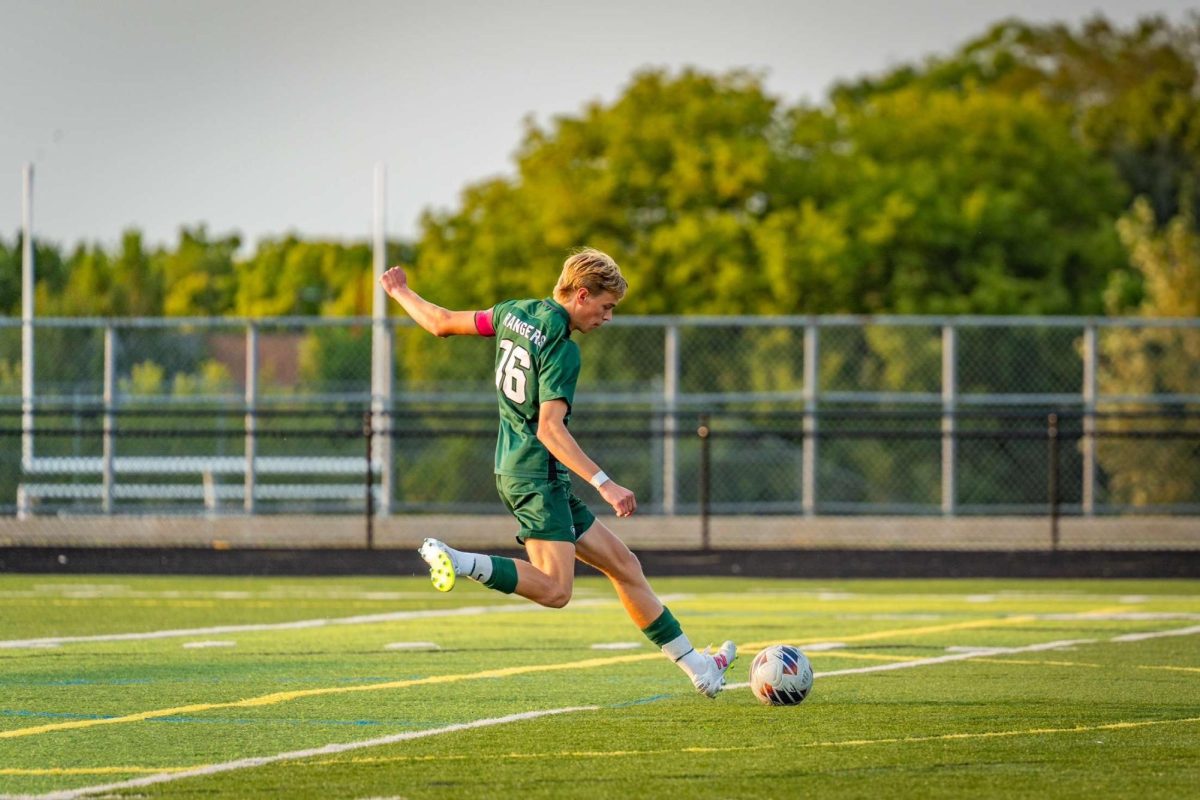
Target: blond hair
(590, 269)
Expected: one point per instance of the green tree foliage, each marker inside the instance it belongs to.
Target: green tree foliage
(984, 181)
(200, 275)
(1131, 93)
(667, 178)
(10, 278)
(943, 202)
(1155, 359)
(290, 276)
(716, 199)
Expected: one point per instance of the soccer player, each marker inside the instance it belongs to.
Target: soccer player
(537, 366)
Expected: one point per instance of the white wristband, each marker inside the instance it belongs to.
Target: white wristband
(599, 479)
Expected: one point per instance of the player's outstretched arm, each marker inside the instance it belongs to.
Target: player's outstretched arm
(553, 433)
(433, 318)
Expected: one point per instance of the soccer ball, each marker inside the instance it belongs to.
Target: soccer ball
(780, 675)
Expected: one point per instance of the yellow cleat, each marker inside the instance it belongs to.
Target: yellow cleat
(441, 567)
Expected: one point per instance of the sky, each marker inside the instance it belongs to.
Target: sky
(267, 117)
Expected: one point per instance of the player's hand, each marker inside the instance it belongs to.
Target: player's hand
(393, 280)
(620, 498)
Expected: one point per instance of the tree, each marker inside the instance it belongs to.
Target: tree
(1154, 360)
(199, 275)
(1133, 95)
(929, 201)
(669, 179)
(717, 200)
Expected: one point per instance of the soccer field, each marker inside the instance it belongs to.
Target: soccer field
(357, 688)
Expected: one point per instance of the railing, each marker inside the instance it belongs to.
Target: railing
(831, 415)
(184, 461)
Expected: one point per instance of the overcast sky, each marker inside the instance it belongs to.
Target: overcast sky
(268, 116)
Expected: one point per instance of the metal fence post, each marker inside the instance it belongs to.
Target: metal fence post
(704, 432)
(251, 446)
(949, 423)
(368, 438)
(1052, 477)
(107, 473)
(808, 487)
(27, 315)
(1088, 443)
(670, 423)
(382, 358)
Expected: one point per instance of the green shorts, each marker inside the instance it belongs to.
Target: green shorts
(545, 509)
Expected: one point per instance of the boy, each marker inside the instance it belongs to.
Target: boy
(537, 366)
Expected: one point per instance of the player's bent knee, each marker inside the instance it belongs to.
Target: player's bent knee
(557, 598)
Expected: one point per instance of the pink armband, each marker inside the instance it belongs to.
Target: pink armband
(483, 323)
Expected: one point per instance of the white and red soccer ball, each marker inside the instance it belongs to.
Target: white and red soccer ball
(781, 675)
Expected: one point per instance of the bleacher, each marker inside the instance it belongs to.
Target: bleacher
(220, 481)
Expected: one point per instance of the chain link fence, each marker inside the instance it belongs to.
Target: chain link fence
(808, 416)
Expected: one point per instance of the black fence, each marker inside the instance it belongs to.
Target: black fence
(1034, 461)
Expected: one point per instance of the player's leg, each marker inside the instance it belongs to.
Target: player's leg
(605, 551)
(543, 510)
(548, 577)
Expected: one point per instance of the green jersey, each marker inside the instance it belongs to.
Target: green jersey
(536, 361)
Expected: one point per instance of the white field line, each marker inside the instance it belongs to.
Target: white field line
(982, 652)
(468, 611)
(1138, 637)
(925, 662)
(211, 769)
(365, 619)
(329, 749)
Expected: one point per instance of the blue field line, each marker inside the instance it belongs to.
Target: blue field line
(13, 712)
(83, 682)
(654, 698)
(360, 723)
(345, 680)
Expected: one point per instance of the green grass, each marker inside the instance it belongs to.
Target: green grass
(1100, 715)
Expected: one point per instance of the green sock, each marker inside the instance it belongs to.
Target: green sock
(504, 575)
(664, 629)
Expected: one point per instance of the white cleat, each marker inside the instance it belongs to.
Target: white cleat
(710, 682)
(441, 567)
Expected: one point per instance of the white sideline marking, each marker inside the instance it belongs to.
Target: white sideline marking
(1138, 637)
(196, 645)
(924, 662)
(411, 646)
(366, 619)
(616, 645)
(329, 749)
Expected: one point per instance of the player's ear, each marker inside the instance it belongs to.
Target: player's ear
(582, 294)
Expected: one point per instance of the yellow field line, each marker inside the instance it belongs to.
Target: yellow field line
(88, 771)
(1036, 663)
(991, 622)
(1111, 726)
(1172, 669)
(1099, 612)
(863, 656)
(283, 697)
(562, 754)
